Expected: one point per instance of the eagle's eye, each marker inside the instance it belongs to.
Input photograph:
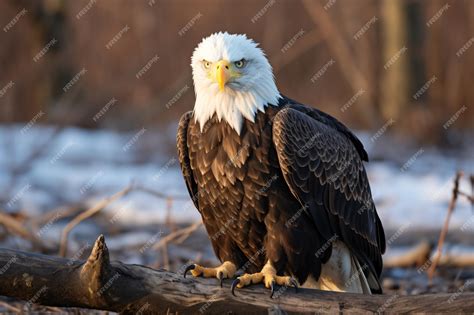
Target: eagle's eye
(207, 64)
(240, 63)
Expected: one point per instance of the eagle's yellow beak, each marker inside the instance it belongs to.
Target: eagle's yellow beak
(224, 71)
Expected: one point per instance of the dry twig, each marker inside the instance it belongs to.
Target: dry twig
(179, 235)
(160, 194)
(14, 226)
(87, 214)
(470, 198)
(10, 307)
(444, 231)
(103, 203)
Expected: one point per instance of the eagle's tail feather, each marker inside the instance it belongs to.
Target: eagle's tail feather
(343, 273)
(363, 282)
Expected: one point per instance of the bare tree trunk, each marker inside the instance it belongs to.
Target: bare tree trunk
(100, 284)
(394, 75)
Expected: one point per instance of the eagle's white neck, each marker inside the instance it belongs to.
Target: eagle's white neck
(234, 103)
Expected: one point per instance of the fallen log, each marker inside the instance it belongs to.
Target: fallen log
(101, 284)
(420, 255)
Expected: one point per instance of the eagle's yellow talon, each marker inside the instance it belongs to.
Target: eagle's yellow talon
(267, 276)
(197, 271)
(226, 270)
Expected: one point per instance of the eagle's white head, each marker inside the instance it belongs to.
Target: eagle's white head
(232, 79)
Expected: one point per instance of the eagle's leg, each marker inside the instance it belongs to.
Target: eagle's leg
(225, 271)
(268, 276)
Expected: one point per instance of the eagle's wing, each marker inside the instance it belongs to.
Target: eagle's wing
(182, 144)
(323, 169)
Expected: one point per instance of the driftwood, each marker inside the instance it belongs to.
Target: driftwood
(100, 284)
(413, 256)
(420, 255)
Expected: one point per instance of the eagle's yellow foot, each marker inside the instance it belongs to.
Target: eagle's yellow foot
(225, 271)
(267, 276)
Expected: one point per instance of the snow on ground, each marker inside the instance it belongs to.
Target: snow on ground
(83, 164)
(416, 199)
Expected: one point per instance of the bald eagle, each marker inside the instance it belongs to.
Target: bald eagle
(281, 187)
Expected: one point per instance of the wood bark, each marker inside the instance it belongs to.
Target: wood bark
(101, 284)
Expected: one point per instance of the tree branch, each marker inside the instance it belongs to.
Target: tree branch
(100, 284)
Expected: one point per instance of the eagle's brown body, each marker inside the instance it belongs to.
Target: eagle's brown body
(281, 191)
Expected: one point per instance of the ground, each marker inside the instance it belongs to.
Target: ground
(77, 168)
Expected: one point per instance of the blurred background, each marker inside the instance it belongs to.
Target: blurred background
(91, 93)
